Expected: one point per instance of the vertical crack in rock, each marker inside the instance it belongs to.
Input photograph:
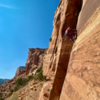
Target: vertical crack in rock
(82, 81)
(69, 18)
(57, 58)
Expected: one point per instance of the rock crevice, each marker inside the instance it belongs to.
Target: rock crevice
(60, 47)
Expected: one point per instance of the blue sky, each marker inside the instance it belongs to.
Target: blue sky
(24, 24)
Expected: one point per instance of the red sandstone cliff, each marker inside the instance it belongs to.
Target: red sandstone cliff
(75, 76)
(72, 69)
(82, 80)
(34, 61)
(19, 70)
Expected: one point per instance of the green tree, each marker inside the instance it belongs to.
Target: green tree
(50, 39)
(40, 76)
(1, 99)
(16, 88)
(40, 69)
(11, 90)
(30, 77)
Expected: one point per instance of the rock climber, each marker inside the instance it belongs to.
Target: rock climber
(71, 33)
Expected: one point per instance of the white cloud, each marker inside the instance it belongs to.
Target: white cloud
(6, 6)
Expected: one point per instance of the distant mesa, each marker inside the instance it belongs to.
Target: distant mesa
(3, 80)
(19, 70)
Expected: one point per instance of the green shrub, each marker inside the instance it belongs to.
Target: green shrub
(9, 94)
(44, 77)
(40, 69)
(42, 83)
(1, 99)
(0, 95)
(16, 88)
(11, 90)
(30, 77)
(4, 90)
(40, 76)
(35, 77)
(42, 65)
(21, 81)
(50, 39)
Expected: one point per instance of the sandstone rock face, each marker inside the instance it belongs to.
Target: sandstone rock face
(76, 78)
(88, 9)
(72, 69)
(19, 70)
(82, 81)
(34, 61)
(35, 58)
(57, 58)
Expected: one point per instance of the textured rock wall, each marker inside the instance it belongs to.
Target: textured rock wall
(34, 61)
(19, 70)
(57, 58)
(82, 81)
(35, 58)
(88, 9)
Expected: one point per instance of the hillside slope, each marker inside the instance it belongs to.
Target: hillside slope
(3, 80)
(34, 62)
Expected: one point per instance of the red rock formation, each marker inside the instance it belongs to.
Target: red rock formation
(35, 59)
(82, 81)
(88, 9)
(71, 74)
(19, 70)
(55, 65)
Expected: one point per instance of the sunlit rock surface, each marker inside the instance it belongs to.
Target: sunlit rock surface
(33, 63)
(19, 70)
(57, 58)
(82, 81)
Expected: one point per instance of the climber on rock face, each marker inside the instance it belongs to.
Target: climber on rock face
(71, 33)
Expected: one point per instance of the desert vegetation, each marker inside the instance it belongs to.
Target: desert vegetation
(50, 39)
